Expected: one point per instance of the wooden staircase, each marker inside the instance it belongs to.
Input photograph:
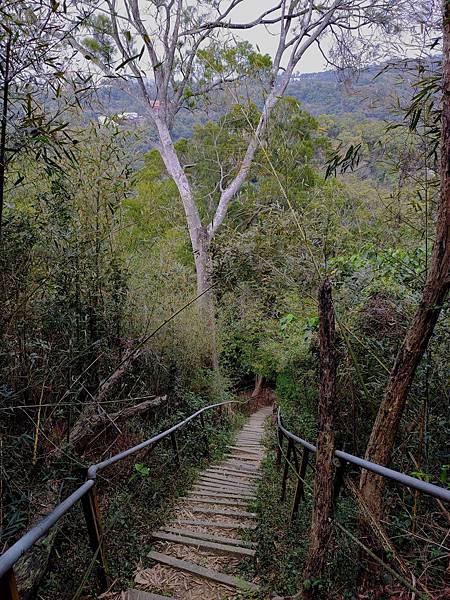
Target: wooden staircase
(197, 556)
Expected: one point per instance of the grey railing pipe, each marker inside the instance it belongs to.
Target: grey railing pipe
(412, 482)
(12, 555)
(93, 469)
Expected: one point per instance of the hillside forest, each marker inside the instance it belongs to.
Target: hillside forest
(187, 218)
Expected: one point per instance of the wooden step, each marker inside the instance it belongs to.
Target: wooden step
(218, 524)
(249, 458)
(204, 544)
(236, 472)
(222, 479)
(242, 467)
(217, 492)
(223, 482)
(224, 512)
(208, 500)
(237, 464)
(247, 450)
(225, 496)
(211, 537)
(230, 477)
(209, 487)
(140, 595)
(235, 582)
(247, 466)
(229, 487)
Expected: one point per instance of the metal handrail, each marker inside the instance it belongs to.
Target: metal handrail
(25, 543)
(406, 480)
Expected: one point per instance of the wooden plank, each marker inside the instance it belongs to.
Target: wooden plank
(240, 474)
(244, 461)
(248, 485)
(220, 490)
(204, 544)
(244, 468)
(236, 464)
(249, 458)
(217, 489)
(249, 482)
(210, 487)
(224, 479)
(229, 479)
(225, 495)
(222, 485)
(218, 524)
(224, 512)
(234, 582)
(140, 595)
(247, 450)
(230, 502)
(201, 535)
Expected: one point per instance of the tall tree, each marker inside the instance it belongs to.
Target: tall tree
(434, 295)
(191, 52)
(323, 481)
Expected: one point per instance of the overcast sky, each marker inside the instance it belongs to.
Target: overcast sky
(267, 42)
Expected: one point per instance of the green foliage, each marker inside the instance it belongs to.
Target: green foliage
(283, 544)
(96, 254)
(100, 43)
(239, 60)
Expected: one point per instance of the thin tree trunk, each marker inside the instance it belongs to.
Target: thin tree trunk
(3, 131)
(384, 432)
(323, 482)
(85, 426)
(259, 386)
(207, 309)
(200, 239)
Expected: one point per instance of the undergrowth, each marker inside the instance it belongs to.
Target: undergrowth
(136, 497)
(283, 544)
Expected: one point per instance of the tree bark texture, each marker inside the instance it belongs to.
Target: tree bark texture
(259, 386)
(323, 482)
(85, 426)
(198, 234)
(411, 352)
(206, 303)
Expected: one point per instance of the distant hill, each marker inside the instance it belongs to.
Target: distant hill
(370, 94)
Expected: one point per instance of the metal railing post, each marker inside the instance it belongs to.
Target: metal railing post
(286, 469)
(205, 436)
(280, 446)
(341, 466)
(8, 586)
(173, 439)
(300, 487)
(93, 521)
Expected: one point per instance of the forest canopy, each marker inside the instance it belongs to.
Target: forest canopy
(188, 218)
